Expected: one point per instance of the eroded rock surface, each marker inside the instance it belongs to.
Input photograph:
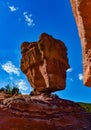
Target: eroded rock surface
(45, 63)
(82, 13)
(42, 112)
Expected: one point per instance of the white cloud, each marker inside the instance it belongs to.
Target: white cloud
(10, 68)
(11, 77)
(28, 19)
(70, 79)
(21, 84)
(13, 9)
(69, 70)
(80, 76)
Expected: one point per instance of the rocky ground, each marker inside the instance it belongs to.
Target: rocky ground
(41, 112)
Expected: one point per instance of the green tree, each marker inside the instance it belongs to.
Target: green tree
(15, 90)
(8, 89)
(11, 90)
(2, 89)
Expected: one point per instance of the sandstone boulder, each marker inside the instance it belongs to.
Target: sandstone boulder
(45, 63)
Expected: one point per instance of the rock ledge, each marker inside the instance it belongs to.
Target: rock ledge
(42, 112)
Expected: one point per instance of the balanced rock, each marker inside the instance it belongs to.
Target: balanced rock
(45, 63)
(82, 13)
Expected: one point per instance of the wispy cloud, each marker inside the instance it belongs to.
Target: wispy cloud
(13, 8)
(70, 79)
(80, 76)
(69, 74)
(10, 68)
(69, 70)
(21, 84)
(11, 78)
(28, 19)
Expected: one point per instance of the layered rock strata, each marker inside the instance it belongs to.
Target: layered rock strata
(45, 63)
(82, 13)
(42, 112)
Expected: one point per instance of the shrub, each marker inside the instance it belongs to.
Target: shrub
(15, 90)
(10, 90)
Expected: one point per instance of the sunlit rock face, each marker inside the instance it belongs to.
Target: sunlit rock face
(82, 13)
(45, 63)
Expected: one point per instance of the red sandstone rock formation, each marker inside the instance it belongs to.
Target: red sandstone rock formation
(42, 112)
(82, 13)
(45, 63)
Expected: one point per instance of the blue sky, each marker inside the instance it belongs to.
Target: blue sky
(25, 20)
